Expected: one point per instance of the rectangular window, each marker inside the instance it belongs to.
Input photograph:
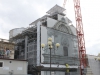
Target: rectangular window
(65, 51)
(67, 73)
(1, 64)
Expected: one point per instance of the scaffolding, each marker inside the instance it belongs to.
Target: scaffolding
(26, 44)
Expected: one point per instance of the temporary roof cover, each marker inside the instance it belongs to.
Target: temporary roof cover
(56, 9)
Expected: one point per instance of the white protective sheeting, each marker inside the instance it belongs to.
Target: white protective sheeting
(73, 29)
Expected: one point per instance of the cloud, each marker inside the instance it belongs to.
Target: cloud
(20, 13)
(94, 50)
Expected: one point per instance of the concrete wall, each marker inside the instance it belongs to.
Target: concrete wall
(51, 22)
(38, 43)
(18, 67)
(94, 65)
(60, 17)
(44, 39)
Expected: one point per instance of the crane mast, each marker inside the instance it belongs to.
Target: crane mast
(64, 3)
(80, 34)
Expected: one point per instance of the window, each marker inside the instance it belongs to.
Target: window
(1, 64)
(65, 51)
(44, 23)
(67, 73)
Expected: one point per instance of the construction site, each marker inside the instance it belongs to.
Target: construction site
(53, 46)
(55, 26)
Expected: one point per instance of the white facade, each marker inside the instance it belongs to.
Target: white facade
(14, 67)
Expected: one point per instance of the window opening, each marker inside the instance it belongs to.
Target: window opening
(65, 51)
(1, 64)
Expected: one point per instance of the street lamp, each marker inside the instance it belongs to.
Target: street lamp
(50, 47)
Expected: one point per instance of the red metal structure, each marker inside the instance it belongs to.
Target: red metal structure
(64, 3)
(80, 34)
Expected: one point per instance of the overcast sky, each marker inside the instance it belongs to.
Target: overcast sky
(20, 13)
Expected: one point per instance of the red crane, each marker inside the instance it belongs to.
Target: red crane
(80, 34)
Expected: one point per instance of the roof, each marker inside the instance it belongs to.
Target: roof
(5, 41)
(56, 9)
(34, 22)
(12, 59)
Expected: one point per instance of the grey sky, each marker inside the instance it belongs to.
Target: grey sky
(20, 13)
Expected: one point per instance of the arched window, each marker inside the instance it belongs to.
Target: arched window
(63, 28)
(65, 50)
